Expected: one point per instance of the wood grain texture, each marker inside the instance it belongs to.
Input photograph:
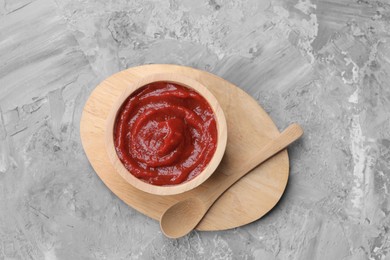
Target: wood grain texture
(129, 87)
(249, 128)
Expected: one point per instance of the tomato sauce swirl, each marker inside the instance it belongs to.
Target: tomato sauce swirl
(165, 133)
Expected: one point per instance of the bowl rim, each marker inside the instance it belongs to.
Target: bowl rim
(210, 167)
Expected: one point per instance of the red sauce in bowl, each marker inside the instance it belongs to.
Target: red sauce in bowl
(165, 133)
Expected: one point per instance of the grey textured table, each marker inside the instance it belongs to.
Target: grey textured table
(324, 64)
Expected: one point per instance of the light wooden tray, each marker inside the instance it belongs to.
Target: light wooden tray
(249, 127)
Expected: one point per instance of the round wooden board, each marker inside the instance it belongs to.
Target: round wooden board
(249, 128)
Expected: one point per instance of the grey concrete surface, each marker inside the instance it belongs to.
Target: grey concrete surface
(322, 63)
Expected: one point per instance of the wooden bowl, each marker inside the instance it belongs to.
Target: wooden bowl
(207, 171)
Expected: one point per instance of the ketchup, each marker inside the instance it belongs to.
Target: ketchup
(165, 133)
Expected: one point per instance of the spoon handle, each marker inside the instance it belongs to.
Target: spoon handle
(220, 183)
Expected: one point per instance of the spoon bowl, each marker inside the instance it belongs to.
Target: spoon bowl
(193, 209)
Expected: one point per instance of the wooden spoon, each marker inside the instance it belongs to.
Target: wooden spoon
(183, 216)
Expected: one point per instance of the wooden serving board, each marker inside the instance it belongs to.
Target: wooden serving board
(249, 128)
